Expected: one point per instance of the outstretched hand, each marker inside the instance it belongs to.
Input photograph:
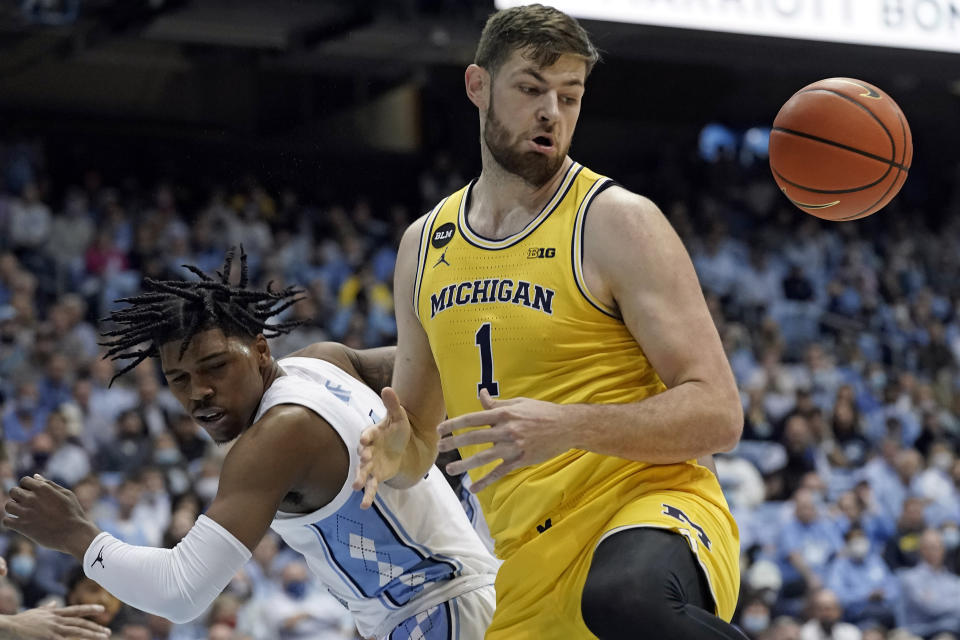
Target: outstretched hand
(382, 448)
(54, 623)
(522, 431)
(50, 515)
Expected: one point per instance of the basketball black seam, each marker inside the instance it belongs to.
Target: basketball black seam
(833, 143)
(894, 183)
(893, 145)
(833, 191)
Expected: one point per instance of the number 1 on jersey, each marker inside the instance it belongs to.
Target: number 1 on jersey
(486, 362)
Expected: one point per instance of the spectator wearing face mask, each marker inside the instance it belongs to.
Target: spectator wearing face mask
(25, 418)
(755, 618)
(298, 611)
(825, 619)
(865, 586)
(21, 558)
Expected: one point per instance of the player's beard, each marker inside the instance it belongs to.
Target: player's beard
(534, 168)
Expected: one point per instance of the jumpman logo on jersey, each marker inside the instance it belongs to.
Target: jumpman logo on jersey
(99, 559)
(442, 260)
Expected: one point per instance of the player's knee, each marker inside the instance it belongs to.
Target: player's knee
(610, 605)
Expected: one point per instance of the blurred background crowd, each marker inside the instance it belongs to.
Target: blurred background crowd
(844, 337)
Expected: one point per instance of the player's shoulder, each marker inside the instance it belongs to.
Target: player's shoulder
(288, 438)
(415, 229)
(286, 426)
(619, 212)
(617, 201)
(410, 244)
(339, 355)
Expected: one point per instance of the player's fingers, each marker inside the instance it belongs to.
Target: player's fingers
(53, 485)
(501, 470)
(392, 402)
(370, 492)
(20, 494)
(30, 483)
(83, 628)
(363, 470)
(15, 508)
(3, 567)
(367, 437)
(12, 523)
(486, 456)
(486, 401)
(477, 436)
(74, 631)
(79, 610)
(476, 419)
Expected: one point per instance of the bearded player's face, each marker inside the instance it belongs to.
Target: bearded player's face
(532, 114)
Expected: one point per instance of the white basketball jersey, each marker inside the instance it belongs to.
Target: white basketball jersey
(412, 549)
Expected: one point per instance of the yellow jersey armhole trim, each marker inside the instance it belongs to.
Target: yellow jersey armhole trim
(425, 234)
(576, 254)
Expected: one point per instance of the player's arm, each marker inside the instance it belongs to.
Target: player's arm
(373, 367)
(401, 448)
(179, 583)
(638, 261)
(416, 379)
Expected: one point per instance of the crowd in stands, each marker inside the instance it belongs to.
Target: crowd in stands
(844, 339)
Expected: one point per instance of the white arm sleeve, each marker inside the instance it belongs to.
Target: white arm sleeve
(179, 583)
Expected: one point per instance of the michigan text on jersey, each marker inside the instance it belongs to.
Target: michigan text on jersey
(493, 290)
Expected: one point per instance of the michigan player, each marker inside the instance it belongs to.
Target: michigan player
(411, 567)
(557, 318)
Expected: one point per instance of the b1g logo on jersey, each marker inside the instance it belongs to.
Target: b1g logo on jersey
(541, 252)
(443, 235)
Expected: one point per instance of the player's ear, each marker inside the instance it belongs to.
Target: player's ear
(262, 349)
(477, 81)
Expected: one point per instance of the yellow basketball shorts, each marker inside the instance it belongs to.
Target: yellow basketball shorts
(539, 585)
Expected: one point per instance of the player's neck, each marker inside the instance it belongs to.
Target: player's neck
(273, 372)
(502, 203)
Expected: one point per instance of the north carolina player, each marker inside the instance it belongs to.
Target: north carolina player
(557, 318)
(410, 567)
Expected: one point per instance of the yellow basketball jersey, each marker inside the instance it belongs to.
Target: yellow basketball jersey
(514, 316)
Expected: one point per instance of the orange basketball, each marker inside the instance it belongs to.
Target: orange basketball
(840, 149)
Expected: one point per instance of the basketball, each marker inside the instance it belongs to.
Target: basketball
(840, 149)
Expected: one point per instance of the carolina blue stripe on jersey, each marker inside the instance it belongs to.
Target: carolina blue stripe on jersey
(432, 624)
(375, 556)
(455, 626)
(466, 503)
(333, 563)
(455, 564)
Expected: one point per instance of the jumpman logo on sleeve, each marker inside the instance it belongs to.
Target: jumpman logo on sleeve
(99, 559)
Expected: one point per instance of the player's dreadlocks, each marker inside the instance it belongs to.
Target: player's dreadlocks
(179, 309)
